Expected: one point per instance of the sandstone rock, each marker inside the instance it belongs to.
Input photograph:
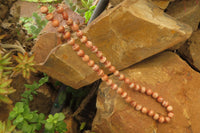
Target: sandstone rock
(165, 73)
(187, 11)
(127, 34)
(191, 50)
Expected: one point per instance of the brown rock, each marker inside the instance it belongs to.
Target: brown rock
(127, 34)
(187, 11)
(166, 74)
(191, 50)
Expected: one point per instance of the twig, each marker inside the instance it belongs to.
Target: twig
(15, 47)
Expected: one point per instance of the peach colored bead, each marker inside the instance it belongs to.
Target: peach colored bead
(79, 33)
(99, 54)
(114, 87)
(124, 94)
(69, 22)
(132, 85)
(104, 77)
(102, 59)
(133, 103)
(44, 9)
(83, 39)
(55, 23)
(75, 27)
(161, 119)
(138, 107)
(160, 99)
(89, 44)
(128, 99)
(170, 114)
(127, 80)
(121, 77)
(60, 9)
(169, 108)
(155, 95)
(71, 41)
(144, 110)
(109, 82)
(167, 119)
(112, 69)
(143, 89)
(165, 103)
(61, 29)
(76, 47)
(90, 63)
(49, 17)
(65, 15)
(116, 73)
(156, 116)
(149, 92)
(95, 68)
(67, 35)
(80, 53)
(85, 58)
(94, 49)
(100, 72)
(107, 64)
(137, 87)
(151, 113)
(119, 90)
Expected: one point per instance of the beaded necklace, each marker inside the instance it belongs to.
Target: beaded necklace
(132, 85)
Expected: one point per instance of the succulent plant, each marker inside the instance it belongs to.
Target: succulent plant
(4, 62)
(25, 65)
(6, 127)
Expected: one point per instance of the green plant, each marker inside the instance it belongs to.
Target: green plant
(55, 123)
(7, 127)
(27, 95)
(25, 65)
(4, 62)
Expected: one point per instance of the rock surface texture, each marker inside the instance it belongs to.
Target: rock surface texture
(166, 74)
(126, 34)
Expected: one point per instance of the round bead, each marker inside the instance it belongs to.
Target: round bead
(144, 110)
(95, 68)
(137, 87)
(67, 35)
(165, 103)
(167, 119)
(71, 42)
(49, 16)
(138, 107)
(143, 89)
(55, 23)
(104, 77)
(128, 99)
(80, 53)
(160, 99)
(88, 44)
(112, 69)
(107, 64)
(79, 33)
(127, 80)
(100, 72)
(169, 108)
(161, 119)
(75, 27)
(132, 85)
(90, 63)
(44, 9)
(94, 49)
(170, 114)
(85, 58)
(156, 116)
(83, 39)
(65, 15)
(116, 73)
(151, 113)
(99, 54)
(76, 47)
(69, 22)
(124, 94)
(102, 59)
(61, 29)
(114, 87)
(155, 95)
(121, 77)
(109, 82)
(133, 103)
(149, 92)
(119, 90)
(60, 9)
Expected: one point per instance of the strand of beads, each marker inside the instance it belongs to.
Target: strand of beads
(132, 85)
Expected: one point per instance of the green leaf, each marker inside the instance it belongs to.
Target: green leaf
(28, 116)
(19, 119)
(12, 115)
(61, 116)
(48, 126)
(83, 124)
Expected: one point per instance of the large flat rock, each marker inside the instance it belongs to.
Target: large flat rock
(165, 73)
(127, 34)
